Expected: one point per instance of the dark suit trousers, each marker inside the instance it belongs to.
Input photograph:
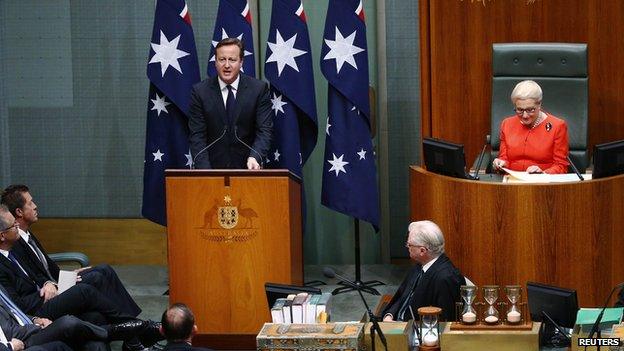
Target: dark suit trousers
(68, 329)
(80, 299)
(105, 280)
(51, 346)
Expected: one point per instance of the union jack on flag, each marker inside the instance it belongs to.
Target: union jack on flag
(233, 21)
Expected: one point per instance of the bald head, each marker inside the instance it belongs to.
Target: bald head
(178, 323)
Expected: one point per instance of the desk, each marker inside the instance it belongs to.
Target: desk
(565, 234)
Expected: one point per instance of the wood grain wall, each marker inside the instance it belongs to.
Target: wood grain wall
(456, 42)
(112, 241)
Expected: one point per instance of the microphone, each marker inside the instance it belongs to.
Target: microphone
(209, 146)
(331, 273)
(596, 327)
(481, 155)
(249, 147)
(578, 174)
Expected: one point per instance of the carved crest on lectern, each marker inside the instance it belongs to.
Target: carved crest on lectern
(226, 222)
(228, 214)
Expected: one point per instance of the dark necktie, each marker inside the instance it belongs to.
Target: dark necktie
(17, 313)
(16, 264)
(39, 254)
(408, 301)
(230, 105)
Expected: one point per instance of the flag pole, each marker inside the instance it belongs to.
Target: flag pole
(364, 286)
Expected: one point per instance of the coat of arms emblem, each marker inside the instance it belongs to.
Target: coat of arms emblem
(228, 214)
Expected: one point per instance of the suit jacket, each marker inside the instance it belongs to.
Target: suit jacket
(11, 327)
(182, 346)
(216, 142)
(438, 286)
(22, 288)
(23, 250)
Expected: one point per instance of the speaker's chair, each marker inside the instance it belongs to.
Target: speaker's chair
(561, 70)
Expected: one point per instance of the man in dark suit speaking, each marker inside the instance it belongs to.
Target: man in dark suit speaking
(230, 115)
(434, 281)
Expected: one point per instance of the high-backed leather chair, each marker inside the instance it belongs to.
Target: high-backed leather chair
(561, 70)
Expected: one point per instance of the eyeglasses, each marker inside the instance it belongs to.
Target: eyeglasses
(14, 225)
(409, 246)
(520, 111)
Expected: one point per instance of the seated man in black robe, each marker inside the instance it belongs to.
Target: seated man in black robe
(434, 280)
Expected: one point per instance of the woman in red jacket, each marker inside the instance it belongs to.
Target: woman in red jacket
(533, 140)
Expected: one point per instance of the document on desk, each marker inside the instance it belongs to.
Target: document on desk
(524, 177)
(67, 279)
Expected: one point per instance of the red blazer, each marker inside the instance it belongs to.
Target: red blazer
(545, 146)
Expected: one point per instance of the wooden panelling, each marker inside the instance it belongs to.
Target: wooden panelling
(568, 235)
(112, 241)
(456, 49)
(221, 271)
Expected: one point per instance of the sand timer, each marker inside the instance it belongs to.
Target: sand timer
(490, 295)
(468, 294)
(513, 293)
(429, 327)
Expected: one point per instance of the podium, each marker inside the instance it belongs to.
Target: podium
(563, 234)
(229, 232)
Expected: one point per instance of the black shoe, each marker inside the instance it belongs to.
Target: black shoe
(133, 345)
(151, 334)
(127, 330)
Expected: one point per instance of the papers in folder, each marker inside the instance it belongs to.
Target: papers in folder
(524, 177)
(67, 279)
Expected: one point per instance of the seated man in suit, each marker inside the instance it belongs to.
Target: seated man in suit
(35, 295)
(16, 327)
(178, 327)
(20, 202)
(434, 280)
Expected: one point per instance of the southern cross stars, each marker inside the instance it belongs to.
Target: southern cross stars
(342, 49)
(167, 54)
(158, 155)
(189, 159)
(362, 154)
(337, 164)
(160, 105)
(277, 104)
(223, 36)
(283, 52)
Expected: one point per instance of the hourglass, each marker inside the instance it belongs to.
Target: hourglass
(513, 293)
(468, 295)
(429, 328)
(490, 295)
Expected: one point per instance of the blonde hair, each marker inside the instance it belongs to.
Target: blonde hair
(527, 89)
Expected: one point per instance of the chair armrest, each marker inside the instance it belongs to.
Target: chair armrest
(78, 257)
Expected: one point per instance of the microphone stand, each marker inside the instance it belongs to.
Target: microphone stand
(373, 319)
(596, 327)
(557, 326)
(481, 156)
(578, 174)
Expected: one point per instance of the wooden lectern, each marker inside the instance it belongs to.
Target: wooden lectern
(229, 232)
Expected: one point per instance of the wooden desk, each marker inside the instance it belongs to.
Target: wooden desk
(568, 234)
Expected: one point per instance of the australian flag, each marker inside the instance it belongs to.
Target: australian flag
(172, 69)
(288, 68)
(349, 171)
(233, 21)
